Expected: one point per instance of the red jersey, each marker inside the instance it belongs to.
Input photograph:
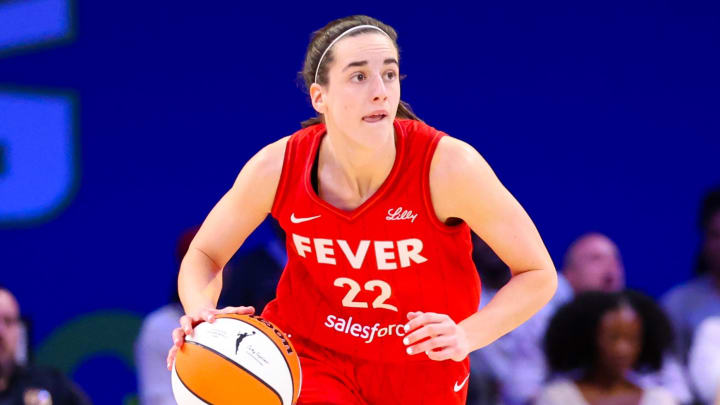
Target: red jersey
(352, 276)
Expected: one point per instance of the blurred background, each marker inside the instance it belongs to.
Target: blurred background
(122, 123)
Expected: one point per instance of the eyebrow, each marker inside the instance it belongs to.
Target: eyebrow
(364, 63)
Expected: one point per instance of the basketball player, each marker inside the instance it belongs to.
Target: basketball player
(380, 295)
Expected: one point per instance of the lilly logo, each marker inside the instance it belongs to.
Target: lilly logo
(399, 214)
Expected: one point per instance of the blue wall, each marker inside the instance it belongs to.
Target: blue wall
(122, 123)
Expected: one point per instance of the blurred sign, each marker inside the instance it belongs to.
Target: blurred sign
(37, 150)
(26, 23)
(37, 154)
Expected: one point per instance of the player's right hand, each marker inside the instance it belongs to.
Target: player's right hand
(188, 322)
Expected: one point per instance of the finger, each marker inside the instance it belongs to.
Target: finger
(208, 315)
(410, 317)
(186, 323)
(424, 318)
(238, 310)
(440, 355)
(413, 315)
(428, 331)
(171, 356)
(178, 337)
(439, 342)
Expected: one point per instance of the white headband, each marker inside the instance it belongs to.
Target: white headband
(339, 37)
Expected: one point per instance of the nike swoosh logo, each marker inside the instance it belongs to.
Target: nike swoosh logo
(296, 220)
(459, 387)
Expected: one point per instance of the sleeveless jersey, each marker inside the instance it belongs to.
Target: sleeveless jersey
(352, 276)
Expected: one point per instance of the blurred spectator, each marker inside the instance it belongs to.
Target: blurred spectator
(27, 384)
(704, 360)
(251, 277)
(248, 279)
(689, 304)
(483, 386)
(598, 341)
(593, 263)
(154, 387)
(517, 361)
(510, 370)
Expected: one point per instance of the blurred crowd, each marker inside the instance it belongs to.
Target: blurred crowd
(595, 342)
(21, 382)
(598, 342)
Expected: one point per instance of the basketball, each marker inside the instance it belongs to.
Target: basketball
(236, 359)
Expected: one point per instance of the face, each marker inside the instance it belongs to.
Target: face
(361, 97)
(711, 244)
(619, 340)
(9, 328)
(594, 265)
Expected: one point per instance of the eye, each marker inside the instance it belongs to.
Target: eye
(358, 77)
(391, 75)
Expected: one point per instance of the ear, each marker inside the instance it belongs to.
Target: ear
(317, 97)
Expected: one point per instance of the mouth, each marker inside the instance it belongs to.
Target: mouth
(375, 117)
(621, 363)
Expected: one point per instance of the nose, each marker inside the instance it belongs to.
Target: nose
(379, 90)
(625, 347)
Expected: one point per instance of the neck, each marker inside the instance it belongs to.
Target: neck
(361, 168)
(604, 379)
(715, 277)
(6, 370)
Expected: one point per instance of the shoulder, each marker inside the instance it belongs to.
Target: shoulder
(262, 171)
(704, 358)
(455, 163)
(51, 380)
(255, 186)
(560, 391)
(685, 293)
(564, 292)
(269, 160)
(451, 154)
(657, 396)
(454, 155)
(561, 385)
(709, 330)
(458, 177)
(39, 374)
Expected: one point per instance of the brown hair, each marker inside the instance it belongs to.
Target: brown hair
(322, 38)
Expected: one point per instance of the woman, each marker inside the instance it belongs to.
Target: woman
(704, 361)
(379, 295)
(599, 339)
(689, 304)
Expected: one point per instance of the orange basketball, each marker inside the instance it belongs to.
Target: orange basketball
(236, 359)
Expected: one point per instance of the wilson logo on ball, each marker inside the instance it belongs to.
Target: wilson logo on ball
(236, 359)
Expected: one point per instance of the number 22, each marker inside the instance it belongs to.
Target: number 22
(372, 285)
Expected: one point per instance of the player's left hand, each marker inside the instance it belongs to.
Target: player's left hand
(436, 335)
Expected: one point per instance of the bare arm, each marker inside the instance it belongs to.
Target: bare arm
(464, 186)
(225, 229)
(227, 226)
